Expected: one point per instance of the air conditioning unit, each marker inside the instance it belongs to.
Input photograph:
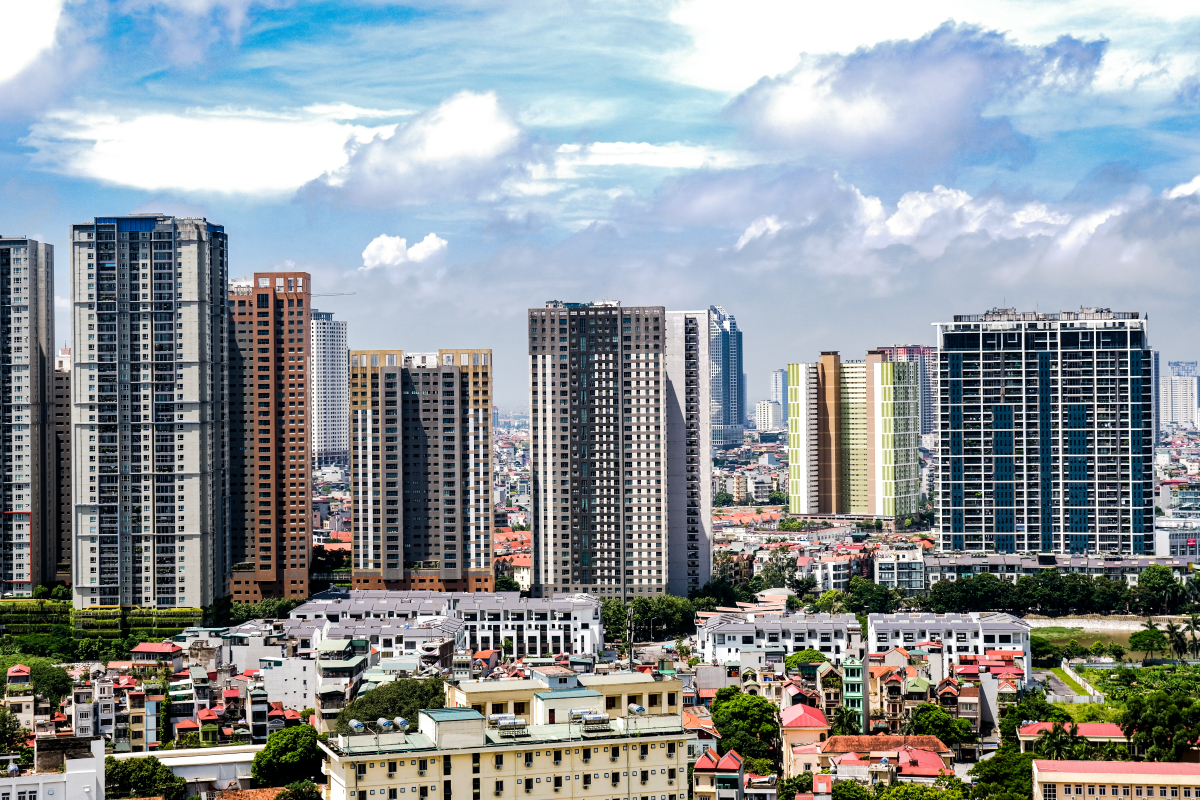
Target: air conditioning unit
(670, 783)
(557, 762)
(420, 772)
(391, 774)
(499, 793)
(558, 788)
(642, 757)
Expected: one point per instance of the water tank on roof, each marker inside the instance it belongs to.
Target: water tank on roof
(636, 710)
(401, 724)
(356, 726)
(384, 724)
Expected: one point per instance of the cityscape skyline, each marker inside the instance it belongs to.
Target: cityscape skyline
(688, 185)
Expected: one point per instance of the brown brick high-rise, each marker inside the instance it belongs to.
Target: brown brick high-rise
(269, 484)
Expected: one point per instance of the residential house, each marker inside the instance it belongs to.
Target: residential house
(801, 728)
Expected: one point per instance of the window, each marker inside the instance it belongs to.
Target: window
(499, 787)
(1049, 791)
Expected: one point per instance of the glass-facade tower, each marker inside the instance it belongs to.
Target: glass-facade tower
(1045, 425)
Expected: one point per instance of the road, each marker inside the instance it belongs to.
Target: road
(1053, 684)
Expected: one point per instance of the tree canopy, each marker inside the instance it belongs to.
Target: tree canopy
(1162, 726)
(929, 720)
(1033, 707)
(506, 583)
(290, 755)
(142, 777)
(1007, 775)
(402, 698)
(809, 656)
(747, 723)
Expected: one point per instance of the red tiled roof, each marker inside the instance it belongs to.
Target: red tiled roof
(802, 716)
(823, 784)
(18, 669)
(1086, 729)
(708, 760)
(917, 762)
(692, 722)
(186, 724)
(865, 744)
(232, 693)
(730, 760)
(166, 648)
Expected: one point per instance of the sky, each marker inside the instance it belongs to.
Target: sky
(838, 176)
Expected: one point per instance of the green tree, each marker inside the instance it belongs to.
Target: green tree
(793, 603)
(723, 499)
(1157, 590)
(290, 755)
(867, 597)
(505, 583)
(777, 498)
(1115, 651)
(1060, 742)
(916, 791)
(1007, 775)
(612, 613)
(845, 722)
(1148, 641)
(809, 656)
(300, 790)
(779, 569)
(12, 734)
(747, 723)
(1176, 640)
(142, 777)
(831, 602)
(1162, 726)
(1034, 708)
(187, 741)
(50, 682)
(788, 788)
(402, 698)
(851, 790)
(929, 720)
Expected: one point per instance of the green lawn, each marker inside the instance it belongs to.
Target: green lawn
(1057, 632)
(1068, 680)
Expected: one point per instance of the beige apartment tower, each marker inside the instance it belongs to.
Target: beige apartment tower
(853, 434)
(420, 469)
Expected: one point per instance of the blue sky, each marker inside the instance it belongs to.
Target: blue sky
(837, 175)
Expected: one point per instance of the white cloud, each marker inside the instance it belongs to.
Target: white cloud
(189, 27)
(734, 44)
(926, 100)
(673, 155)
(466, 148)
(221, 150)
(393, 251)
(31, 30)
(763, 226)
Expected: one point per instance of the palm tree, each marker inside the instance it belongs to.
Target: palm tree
(1059, 743)
(1192, 626)
(1176, 639)
(846, 722)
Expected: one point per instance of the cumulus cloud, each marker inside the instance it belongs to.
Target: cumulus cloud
(763, 226)
(260, 152)
(926, 100)
(393, 251)
(466, 148)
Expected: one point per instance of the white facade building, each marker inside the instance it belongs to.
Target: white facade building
(81, 775)
(27, 397)
(901, 569)
(1177, 394)
(149, 411)
(768, 415)
(330, 390)
(779, 385)
(723, 637)
(974, 633)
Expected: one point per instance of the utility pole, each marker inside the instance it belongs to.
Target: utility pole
(629, 635)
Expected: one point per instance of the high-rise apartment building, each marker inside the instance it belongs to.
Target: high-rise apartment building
(689, 451)
(727, 381)
(420, 469)
(1156, 386)
(853, 436)
(61, 466)
(768, 415)
(26, 399)
(779, 383)
(1046, 423)
(926, 358)
(330, 392)
(1178, 396)
(271, 387)
(621, 479)
(150, 418)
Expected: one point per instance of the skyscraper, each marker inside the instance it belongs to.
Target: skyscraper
(26, 402)
(61, 466)
(1178, 396)
(768, 415)
(853, 434)
(420, 469)
(330, 392)
(926, 358)
(271, 387)
(1046, 423)
(779, 383)
(689, 451)
(620, 477)
(150, 417)
(727, 380)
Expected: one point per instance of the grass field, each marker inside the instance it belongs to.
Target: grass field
(1068, 680)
